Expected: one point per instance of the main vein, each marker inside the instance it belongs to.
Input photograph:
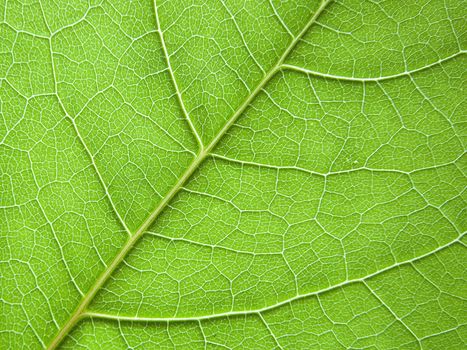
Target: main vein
(204, 152)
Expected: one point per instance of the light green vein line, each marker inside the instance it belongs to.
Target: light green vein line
(79, 312)
(281, 303)
(270, 331)
(396, 317)
(368, 79)
(281, 21)
(81, 140)
(172, 76)
(333, 173)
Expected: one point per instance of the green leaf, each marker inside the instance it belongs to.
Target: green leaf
(233, 174)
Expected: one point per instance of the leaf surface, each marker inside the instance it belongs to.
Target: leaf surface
(233, 174)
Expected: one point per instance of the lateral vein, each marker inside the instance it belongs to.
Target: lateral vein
(281, 303)
(172, 76)
(369, 79)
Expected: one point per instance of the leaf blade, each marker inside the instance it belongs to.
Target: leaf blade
(332, 194)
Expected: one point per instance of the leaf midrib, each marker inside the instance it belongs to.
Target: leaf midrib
(79, 312)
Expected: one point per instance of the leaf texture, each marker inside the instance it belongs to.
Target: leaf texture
(233, 174)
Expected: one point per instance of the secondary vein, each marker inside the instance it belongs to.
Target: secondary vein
(363, 279)
(172, 77)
